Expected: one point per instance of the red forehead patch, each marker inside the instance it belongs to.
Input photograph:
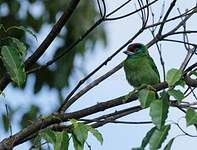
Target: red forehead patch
(133, 47)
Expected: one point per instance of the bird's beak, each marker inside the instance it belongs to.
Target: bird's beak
(128, 52)
(125, 52)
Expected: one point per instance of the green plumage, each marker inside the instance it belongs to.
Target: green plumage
(139, 66)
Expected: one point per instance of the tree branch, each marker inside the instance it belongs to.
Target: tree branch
(47, 41)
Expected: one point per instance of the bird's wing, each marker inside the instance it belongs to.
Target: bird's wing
(154, 67)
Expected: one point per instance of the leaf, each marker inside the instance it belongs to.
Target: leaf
(20, 46)
(29, 116)
(59, 140)
(158, 137)
(80, 132)
(158, 112)
(37, 141)
(13, 64)
(177, 94)
(49, 136)
(181, 82)
(5, 122)
(193, 73)
(173, 76)
(169, 145)
(63, 70)
(191, 117)
(146, 139)
(96, 133)
(146, 97)
(77, 144)
(23, 29)
(62, 141)
(74, 122)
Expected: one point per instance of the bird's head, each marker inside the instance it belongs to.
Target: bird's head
(136, 48)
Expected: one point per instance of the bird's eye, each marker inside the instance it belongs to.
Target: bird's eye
(139, 46)
(137, 49)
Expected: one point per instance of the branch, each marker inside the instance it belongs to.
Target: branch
(96, 69)
(102, 120)
(90, 86)
(52, 34)
(131, 13)
(14, 140)
(166, 16)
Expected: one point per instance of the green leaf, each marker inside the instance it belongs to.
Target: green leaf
(5, 122)
(77, 144)
(181, 82)
(169, 145)
(193, 73)
(13, 64)
(63, 70)
(146, 139)
(96, 133)
(79, 131)
(59, 140)
(37, 141)
(177, 94)
(62, 141)
(23, 29)
(50, 136)
(74, 122)
(173, 76)
(158, 137)
(159, 112)
(146, 97)
(78, 141)
(191, 117)
(20, 46)
(28, 117)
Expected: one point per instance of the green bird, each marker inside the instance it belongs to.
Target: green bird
(139, 67)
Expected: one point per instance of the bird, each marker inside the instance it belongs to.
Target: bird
(139, 67)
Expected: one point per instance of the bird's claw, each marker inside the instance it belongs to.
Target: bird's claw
(149, 87)
(129, 95)
(146, 86)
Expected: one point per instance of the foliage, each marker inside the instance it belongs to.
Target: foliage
(59, 140)
(14, 65)
(59, 76)
(58, 129)
(191, 117)
(146, 97)
(173, 76)
(159, 109)
(155, 137)
(79, 134)
(15, 28)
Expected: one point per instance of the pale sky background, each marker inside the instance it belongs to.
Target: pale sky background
(116, 136)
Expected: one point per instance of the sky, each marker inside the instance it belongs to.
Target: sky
(116, 136)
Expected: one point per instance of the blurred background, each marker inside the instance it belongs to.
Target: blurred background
(46, 89)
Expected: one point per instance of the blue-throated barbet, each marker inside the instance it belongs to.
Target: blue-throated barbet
(139, 67)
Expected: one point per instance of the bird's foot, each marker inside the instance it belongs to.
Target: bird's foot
(146, 86)
(150, 87)
(126, 98)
